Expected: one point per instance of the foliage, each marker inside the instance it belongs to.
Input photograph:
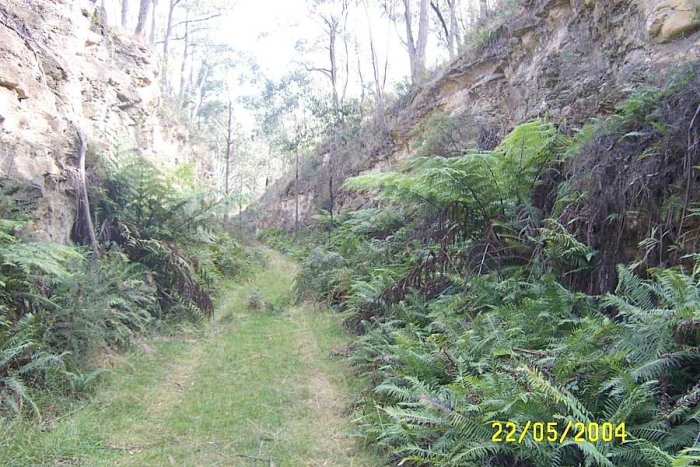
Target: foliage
(320, 273)
(152, 214)
(466, 284)
(284, 241)
(255, 301)
(481, 184)
(59, 308)
(23, 360)
(632, 178)
(221, 256)
(101, 304)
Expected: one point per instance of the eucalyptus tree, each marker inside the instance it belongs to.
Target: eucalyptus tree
(144, 6)
(379, 74)
(447, 18)
(285, 123)
(189, 23)
(332, 16)
(125, 13)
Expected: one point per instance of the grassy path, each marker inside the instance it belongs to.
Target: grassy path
(254, 388)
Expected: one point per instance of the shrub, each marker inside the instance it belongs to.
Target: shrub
(319, 275)
(101, 304)
(469, 314)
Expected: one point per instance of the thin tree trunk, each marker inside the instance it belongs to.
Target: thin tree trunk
(483, 9)
(331, 160)
(84, 201)
(422, 44)
(296, 190)
(240, 205)
(185, 52)
(152, 37)
(166, 43)
(378, 87)
(125, 13)
(201, 81)
(362, 79)
(143, 16)
(347, 69)
(229, 144)
(268, 168)
(455, 36)
(187, 96)
(334, 69)
(449, 37)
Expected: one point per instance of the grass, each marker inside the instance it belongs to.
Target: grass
(255, 387)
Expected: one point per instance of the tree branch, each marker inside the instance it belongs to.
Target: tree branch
(325, 71)
(198, 20)
(436, 8)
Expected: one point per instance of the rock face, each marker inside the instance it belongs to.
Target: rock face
(61, 69)
(569, 60)
(672, 19)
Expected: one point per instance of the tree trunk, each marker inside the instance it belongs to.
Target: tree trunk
(483, 10)
(416, 48)
(422, 44)
(187, 95)
(455, 36)
(152, 37)
(125, 13)
(410, 41)
(296, 190)
(378, 81)
(185, 52)
(450, 30)
(84, 201)
(166, 43)
(143, 16)
(333, 31)
(331, 160)
(240, 205)
(201, 89)
(229, 144)
(362, 80)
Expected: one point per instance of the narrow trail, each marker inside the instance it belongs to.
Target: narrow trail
(256, 387)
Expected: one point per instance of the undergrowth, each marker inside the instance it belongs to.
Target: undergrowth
(161, 257)
(489, 285)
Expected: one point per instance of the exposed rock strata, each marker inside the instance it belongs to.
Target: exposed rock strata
(567, 59)
(59, 70)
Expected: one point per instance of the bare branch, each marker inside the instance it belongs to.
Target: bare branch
(325, 71)
(189, 21)
(436, 8)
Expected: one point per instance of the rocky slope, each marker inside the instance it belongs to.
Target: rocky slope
(567, 59)
(63, 71)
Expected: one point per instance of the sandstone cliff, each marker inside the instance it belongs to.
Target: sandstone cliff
(567, 59)
(62, 69)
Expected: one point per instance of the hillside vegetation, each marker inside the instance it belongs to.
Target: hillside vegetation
(486, 215)
(553, 278)
(158, 262)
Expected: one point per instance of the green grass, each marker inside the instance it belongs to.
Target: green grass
(255, 387)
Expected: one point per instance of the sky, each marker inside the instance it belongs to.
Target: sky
(269, 29)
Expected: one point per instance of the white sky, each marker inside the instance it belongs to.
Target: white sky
(269, 29)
